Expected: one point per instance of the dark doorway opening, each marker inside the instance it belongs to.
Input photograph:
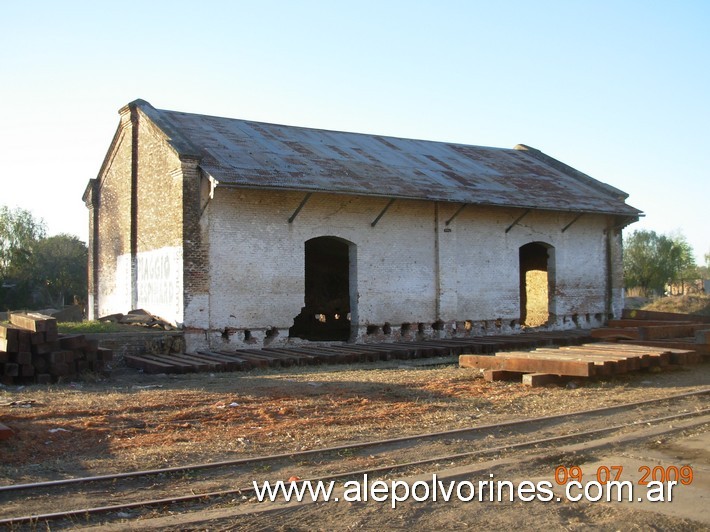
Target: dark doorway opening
(537, 281)
(326, 314)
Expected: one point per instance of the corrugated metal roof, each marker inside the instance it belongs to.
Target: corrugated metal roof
(259, 155)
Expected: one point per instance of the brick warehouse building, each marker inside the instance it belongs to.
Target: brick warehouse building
(252, 233)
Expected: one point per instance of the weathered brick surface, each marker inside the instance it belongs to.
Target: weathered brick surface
(196, 266)
(140, 223)
(257, 265)
(158, 261)
(114, 220)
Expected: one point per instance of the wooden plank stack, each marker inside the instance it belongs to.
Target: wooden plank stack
(640, 339)
(32, 351)
(542, 366)
(344, 353)
(660, 329)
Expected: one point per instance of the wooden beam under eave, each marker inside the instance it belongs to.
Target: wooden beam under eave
(517, 220)
(374, 223)
(456, 213)
(300, 206)
(579, 215)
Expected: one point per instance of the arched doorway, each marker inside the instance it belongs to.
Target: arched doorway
(330, 289)
(537, 284)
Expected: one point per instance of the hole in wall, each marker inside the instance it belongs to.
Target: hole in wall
(537, 283)
(247, 336)
(372, 329)
(387, 328)
(468, 325)
(438, 325)
(405, 328)
(420, 328)
(227, 332)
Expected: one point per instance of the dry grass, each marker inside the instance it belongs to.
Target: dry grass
(690, 304)
(137, 421)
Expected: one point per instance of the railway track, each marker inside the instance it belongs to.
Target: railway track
(92, 500)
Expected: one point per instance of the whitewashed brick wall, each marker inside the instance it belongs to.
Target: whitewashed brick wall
(256, 264)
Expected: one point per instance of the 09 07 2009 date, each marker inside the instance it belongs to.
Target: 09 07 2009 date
(680, 474)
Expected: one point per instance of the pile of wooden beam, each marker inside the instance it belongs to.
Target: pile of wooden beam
(659, 329)
(32, 351)
(245, 359)
(544, 366)
(641, 339)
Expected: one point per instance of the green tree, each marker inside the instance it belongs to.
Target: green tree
(60, 265)
(652, 260)
(19, 234)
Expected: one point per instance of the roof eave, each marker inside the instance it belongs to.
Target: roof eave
(629, 212)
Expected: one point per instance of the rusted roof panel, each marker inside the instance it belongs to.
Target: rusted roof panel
(258, 155)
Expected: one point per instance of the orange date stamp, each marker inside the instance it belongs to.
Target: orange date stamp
(606, 482)
(680, 474)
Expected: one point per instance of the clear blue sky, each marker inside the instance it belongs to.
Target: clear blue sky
(619, 90)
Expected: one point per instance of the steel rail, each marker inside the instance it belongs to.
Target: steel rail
(360, 445)
(85, 512)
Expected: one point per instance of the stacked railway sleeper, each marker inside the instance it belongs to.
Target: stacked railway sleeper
(345, 353)
(641, 340)
(660, 329)
(33, 351)
(545, 366)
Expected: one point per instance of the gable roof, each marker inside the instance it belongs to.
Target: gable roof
(241, 153)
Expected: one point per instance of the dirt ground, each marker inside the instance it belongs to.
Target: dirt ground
(134, 421)
(685, 512)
